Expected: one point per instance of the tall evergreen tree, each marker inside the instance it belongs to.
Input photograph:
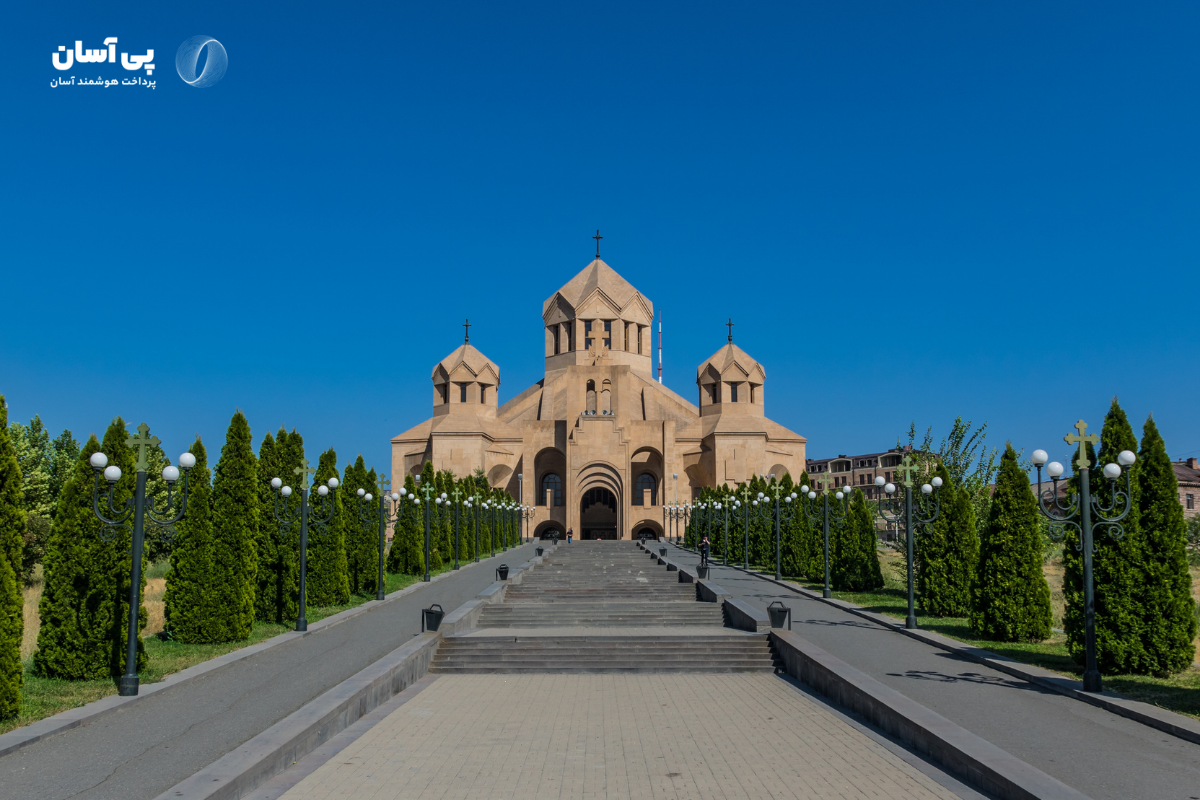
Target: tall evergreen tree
(235, 503)
(12, 527)
(853, 563)
(1168, 611)
(947, 553)
(362, 550)
(328, 583)
(192, 599)
(1116, 563)
(32, 446)
(85, 602)
(158, 540)
(64, 452)
(1011, 600)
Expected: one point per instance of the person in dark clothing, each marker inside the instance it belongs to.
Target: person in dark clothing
(704, 545)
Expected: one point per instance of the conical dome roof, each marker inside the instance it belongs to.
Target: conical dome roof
(732, 355)
(598, 276)
(468, 356)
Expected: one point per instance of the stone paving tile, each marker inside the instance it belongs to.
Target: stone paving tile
(595, 737)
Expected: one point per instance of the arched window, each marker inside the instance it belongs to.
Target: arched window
(645, 481)
(606, 397)
(591, 397)
(551, 483)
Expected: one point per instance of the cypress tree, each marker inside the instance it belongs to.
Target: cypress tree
(947, 553)
(85, 602)
(1011, 600)
(328, 583)
(235, 503)
(12, 528)
(362, 550)
(1117, 571)
(191, 599)
(853, 563)
(1168, 611)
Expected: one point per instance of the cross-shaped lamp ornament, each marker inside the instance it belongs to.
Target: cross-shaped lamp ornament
(117, 518)
(1074, 512)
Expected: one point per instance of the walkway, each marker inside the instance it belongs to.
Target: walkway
(1102, 755)
(149, 747)
(614, 736)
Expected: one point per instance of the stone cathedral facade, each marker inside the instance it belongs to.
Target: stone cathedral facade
(598, 446)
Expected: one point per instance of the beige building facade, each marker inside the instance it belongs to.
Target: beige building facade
(598, 446)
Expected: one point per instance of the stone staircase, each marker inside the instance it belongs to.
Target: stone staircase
(602, 607)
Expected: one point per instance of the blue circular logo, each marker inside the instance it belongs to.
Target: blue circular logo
(215, 62)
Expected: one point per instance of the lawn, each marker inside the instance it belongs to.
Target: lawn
(1179, 693)
(44, 697)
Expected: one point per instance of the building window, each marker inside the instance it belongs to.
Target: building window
(587, 332)
(639, 327)
(462, 393)
(608, 334)
(483, 394)
(551, 483)
(443, 392)
(645, 481)
(733, 392)
(556, 350)
(1190, 502)
(753, 398)
(591, 398)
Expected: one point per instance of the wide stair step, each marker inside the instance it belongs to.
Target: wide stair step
(545, 654)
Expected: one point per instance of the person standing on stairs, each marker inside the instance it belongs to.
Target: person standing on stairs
(704, 552)
(570, 534)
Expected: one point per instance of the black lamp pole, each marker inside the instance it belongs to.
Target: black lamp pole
(327, 493)
(1077, 514)
(925, 513)
(822, 513)
(136, 506)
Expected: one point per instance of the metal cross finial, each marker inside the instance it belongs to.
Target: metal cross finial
(384, 483)
(1082, 440)
(467, 332)
(908, 468)
(141, 443)
(597, 237)
(730, 325)
(304, 471)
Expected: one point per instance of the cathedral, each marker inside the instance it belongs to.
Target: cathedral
(598, 446)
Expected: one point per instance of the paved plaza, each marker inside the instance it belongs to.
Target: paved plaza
(614, 736)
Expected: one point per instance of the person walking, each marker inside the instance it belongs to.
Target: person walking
(570, 534)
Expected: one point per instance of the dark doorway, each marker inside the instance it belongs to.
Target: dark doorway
(598, 514)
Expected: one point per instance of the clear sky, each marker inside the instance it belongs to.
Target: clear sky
(911, 210)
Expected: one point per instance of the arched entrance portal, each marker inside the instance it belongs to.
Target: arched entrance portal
(598, 514)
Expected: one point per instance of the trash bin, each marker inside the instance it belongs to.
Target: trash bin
(539, 551)
(431, 618)
(778, 613)
(662, 551)
(502, 572)
(701, 572)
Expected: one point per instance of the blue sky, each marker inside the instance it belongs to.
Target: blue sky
(911, 210)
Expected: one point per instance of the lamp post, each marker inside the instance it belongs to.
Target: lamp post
(744, 502)
(428, 491)
(1077, 514)
(675, 513)
(822, 513)
(923, 516)
(782, 512)
(386, 515)
(458, 495)
(526, 514)
(731, 504)
(136, 506)
(328, 494)
(490, 505)
(475, 504)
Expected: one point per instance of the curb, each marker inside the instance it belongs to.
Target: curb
(977, 761)
(86, 714)
(1152, 716)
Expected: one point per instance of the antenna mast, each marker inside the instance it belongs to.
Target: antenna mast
(660, 345)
